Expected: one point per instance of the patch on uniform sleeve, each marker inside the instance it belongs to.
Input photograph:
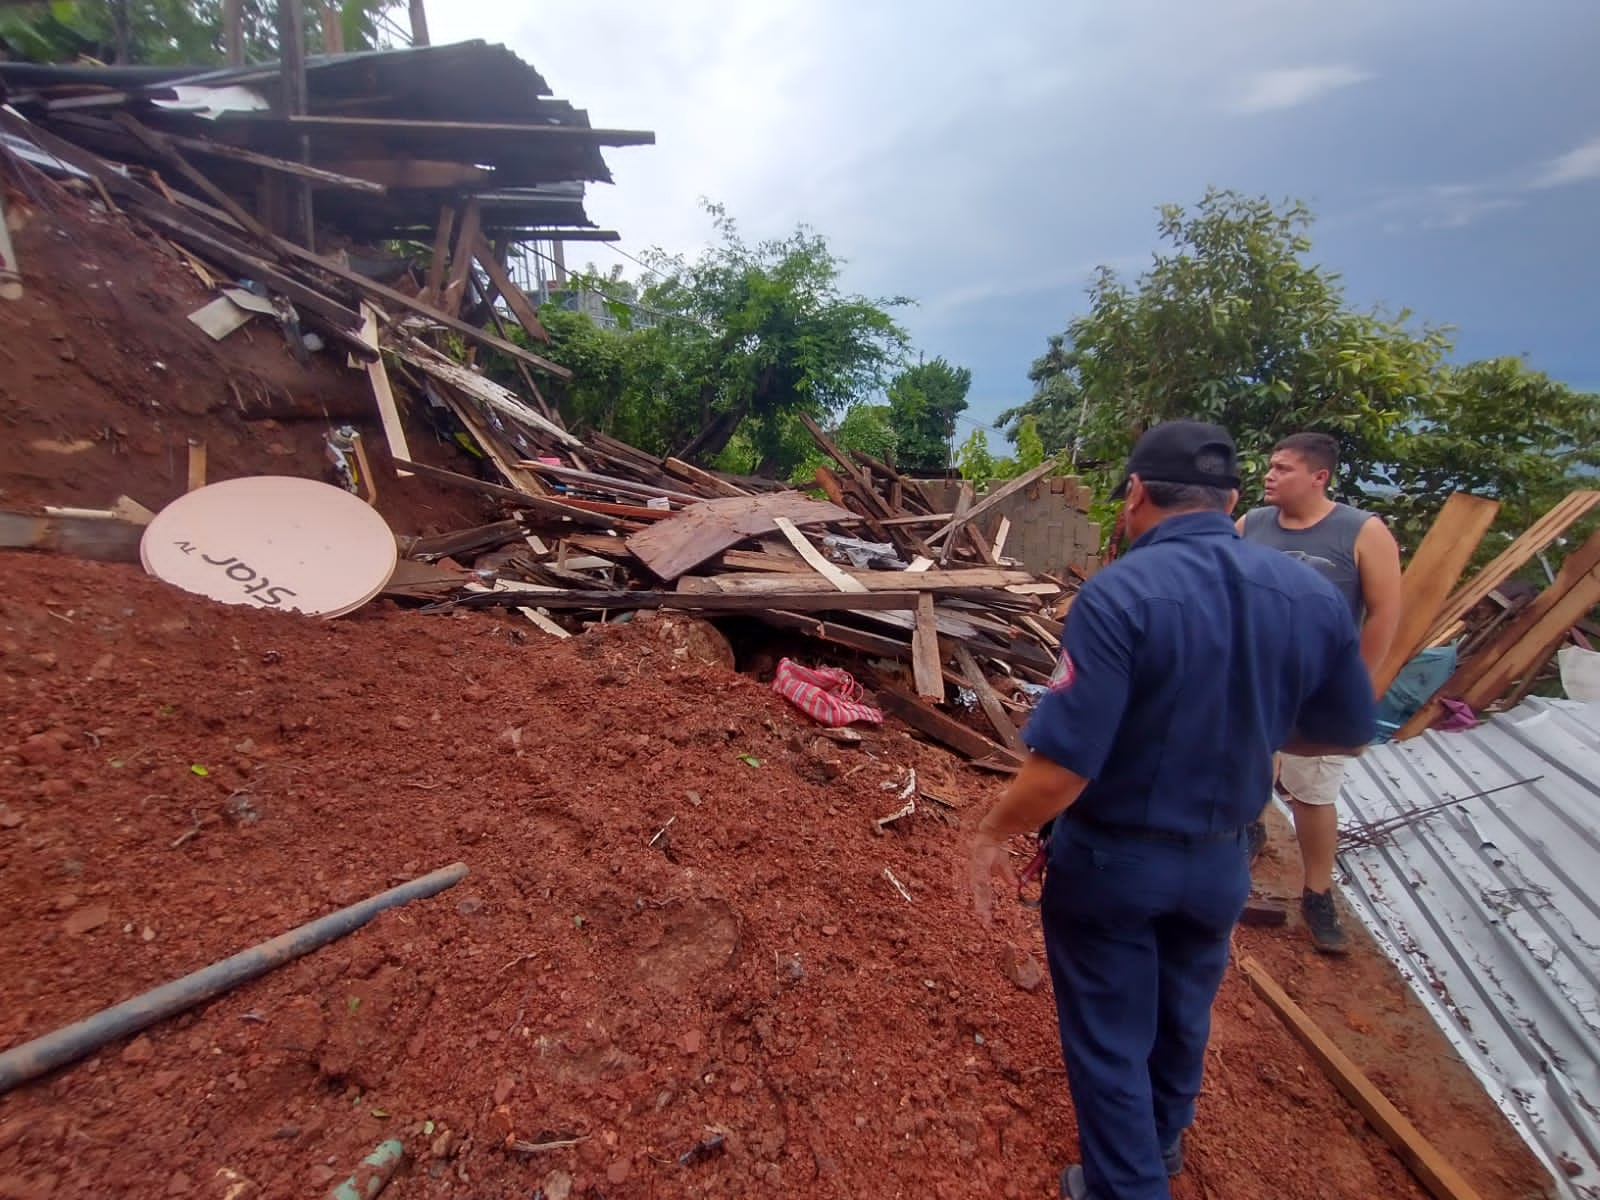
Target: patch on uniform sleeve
(1065, 673)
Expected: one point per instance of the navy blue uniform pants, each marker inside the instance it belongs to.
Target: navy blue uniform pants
(1137, 935)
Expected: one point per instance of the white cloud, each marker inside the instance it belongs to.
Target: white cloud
(1290, 87)
(1575, 166)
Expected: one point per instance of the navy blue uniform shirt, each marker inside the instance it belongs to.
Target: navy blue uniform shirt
(1185, 665)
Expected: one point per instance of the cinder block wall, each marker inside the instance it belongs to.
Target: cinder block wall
(1050, 526)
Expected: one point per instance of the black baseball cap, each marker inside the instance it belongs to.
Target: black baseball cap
(1183, 452)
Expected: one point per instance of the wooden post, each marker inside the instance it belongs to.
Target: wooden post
(332, 28)
(293, 103)
(233, 31)
(461, 260)
(369, 481)
(394, 429)
(10, 270)
(419, 24)
(197, 465)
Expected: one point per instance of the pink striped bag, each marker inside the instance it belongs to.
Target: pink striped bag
(827, 695)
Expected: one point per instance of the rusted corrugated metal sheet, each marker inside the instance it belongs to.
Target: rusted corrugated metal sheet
(1492, 910)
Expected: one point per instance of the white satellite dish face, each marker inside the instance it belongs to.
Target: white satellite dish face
(272, 541)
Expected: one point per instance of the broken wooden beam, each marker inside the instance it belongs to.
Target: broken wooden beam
(400, 300)
(989, 700)
(619, 599)
(1430, 577)
(1431, 1169)
(690, 473)
(319, 175)
(816, 560)
(1524, 643)
(439, 260)
(463, 542)
(929, 721)
(1533, 540)
(539, 505)
(927, 670)
(778, 575)
(521, 307)
(166, 152)
(461, 260)
(394, 430)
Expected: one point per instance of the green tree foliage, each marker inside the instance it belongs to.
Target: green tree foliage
(1230, 324)
(1493, 428)
(973, 459)
(1030, 445)
(728, 350)
(870, 429)
(763, 333)
(171, 32)
(924, 402)
(1233, 323)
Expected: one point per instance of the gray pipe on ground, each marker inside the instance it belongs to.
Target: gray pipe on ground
(32, 1059)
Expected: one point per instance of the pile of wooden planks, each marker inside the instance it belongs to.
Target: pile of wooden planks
(600, 528)
(1503, 645)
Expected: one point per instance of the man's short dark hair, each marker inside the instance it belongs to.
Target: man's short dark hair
(1320, 450)
(1187, 497)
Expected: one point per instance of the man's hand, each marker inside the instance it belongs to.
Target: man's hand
(988, 856)
(1042, 790)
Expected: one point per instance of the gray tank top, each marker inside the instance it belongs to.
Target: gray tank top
(1329, 546)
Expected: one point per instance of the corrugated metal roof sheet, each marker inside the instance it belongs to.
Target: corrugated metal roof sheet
(1492, 910)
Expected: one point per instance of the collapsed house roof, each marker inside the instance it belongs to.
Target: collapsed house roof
(392, 134)
(1485, 905)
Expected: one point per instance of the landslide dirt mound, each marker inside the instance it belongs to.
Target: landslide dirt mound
(181, 781)
(103, 380)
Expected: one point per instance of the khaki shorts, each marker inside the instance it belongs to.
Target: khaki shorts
(1312, 780)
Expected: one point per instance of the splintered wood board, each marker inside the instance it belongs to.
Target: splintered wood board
(702, 531)
(1431, 576)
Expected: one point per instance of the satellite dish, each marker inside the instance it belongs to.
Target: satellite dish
(272, 541)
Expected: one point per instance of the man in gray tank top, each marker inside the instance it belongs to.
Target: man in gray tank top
(1358, 555)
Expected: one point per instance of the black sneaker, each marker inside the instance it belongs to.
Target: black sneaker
(1256, 839)
(1323, 920)
(1073, 1184)
(1074, 1187)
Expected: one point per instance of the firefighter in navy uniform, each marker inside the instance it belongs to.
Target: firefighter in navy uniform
(1185, 665)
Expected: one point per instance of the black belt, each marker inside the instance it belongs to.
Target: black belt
(1143, 833)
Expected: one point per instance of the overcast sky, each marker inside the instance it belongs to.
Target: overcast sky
(983, 158)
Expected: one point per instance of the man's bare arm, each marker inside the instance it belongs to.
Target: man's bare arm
(1041, 790)
(1378, 562)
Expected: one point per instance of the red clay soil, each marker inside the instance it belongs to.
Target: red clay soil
(1369, 1011)
(750, 974)
(103, 380)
